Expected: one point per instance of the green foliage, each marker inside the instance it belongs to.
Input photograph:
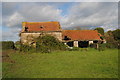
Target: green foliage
(94, 45)
(27, 48)
(17, 43)
(100, 30)
(113, 39)
(116, 34)
(112, 45)
(101, 47)
(44, 44)
(41, 48)
(47, 43)
(73, 49)
(109, 37)
(7, 45)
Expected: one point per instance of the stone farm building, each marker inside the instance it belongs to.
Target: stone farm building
(76, 38)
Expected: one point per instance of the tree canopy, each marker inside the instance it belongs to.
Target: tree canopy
(100, 30)
(116, 34)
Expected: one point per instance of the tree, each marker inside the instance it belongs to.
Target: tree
(111, 41)
(109, 37)
(116, 34)
(100, 30)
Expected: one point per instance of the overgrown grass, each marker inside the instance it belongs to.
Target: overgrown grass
(63, 64)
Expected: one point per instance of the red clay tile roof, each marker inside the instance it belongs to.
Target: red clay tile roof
(42, 26)
(81, 34)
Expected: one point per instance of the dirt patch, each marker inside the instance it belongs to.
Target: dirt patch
(6, 57)
(7, 60)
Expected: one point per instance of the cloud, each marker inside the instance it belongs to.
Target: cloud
(0, 21)
(80, 14)
(31, 12)
(93, 14)
(60, 0)
(11, 34)
(14, 20)
(40, 12)
(8, 8)
(16, 13)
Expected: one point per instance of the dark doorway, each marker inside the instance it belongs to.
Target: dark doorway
(95, 41)
(70, 44)
(83, 44)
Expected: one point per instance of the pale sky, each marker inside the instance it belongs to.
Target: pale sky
(70, 15)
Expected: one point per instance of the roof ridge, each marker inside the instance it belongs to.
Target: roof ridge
(79, 30)
(42, 22)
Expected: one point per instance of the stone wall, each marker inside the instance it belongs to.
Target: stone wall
(28, 38)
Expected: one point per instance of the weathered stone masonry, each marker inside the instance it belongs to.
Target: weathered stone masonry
(29, 37)
(32, 30)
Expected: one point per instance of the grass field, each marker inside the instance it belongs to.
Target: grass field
(63, 64)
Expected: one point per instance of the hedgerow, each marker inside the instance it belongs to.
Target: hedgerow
(7, 45)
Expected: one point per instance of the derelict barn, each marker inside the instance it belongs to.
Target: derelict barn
(80, 38)
(76, 38)
(31, 30)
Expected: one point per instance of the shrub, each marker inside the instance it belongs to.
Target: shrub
(47, 43)
(113, 45)
(27, 48)
(101, 47)
(42, 49)
(44, 44)
(17, 44)
(110, 45)
(8, 45)
(94, 45)
(116, 34)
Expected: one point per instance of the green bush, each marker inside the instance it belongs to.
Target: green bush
(44, 44)
(17, 45)
(47, 43)
(42, 49)
(110, 45)
(101, 47)
(7, 45)
(113, 45)
(27, 48)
